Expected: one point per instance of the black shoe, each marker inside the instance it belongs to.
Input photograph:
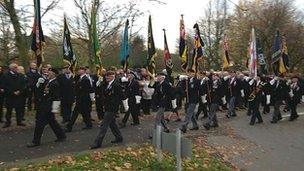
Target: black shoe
(60, 139)
(228, 116)
(178, 120)
(95, 146)
(251, 123)
(68, 130)
(194, 128)
(214, 125)
(280, 118)
(116, 141)
(166, 130)
(184, 130)
(273, 122)
(234, 115)
(6, 125)
(206, 126)
(122, 125)
(21, 124)
(30, 145)
(87, 127)
(134, 124)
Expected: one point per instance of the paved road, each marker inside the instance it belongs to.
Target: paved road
(260, 147)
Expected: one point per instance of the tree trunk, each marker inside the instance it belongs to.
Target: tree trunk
(19, 37)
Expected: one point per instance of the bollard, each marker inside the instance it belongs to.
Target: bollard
(178, 150)
(158, 143)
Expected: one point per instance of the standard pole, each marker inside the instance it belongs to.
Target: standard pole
(158, 143)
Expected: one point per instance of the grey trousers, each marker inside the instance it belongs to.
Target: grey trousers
(190, 116)
(108, 121)
(212, 118)
(160, 118)
(231, 107)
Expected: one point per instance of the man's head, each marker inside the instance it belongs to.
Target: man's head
(33, 65)
(66, 70)
(81, 71)
(110, 76)
(13, 67)
(21, 70)
(45, 70)
(191, 73)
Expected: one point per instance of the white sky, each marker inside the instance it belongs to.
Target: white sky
(163, 16)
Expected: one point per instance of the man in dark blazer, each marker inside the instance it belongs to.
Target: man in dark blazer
(67, 96)
(49, 106)
(133, 94)
(14, 87)
(33, 76)
(1, 94)
(83, 90)
(113, 95)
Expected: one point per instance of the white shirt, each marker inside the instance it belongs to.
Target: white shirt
(110, 83)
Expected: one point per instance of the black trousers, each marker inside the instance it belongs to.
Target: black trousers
(108, 121)
(1, 107)
(134, 111)
(85, 115)
(99, 109)
(30, 99)
(293, 109)
(19, 115)
(42, 119)
(146, 105)
(255, 112)
(66, 110)
(202, 108)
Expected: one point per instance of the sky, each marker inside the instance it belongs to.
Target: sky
(165, 16)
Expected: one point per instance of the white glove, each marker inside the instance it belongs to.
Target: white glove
(251, 82)
(242, 93)
(203, 98)
(137, 98)
(226, 77)
(92, 97)
(276, 78)
(40, 81)
(55, 106)
(125, 105)
(291, 93)
(98, 83)
(173, 102)
(268, 99)
(246, 78)
(272, 81)
(183, 77)
(302, 99)
(224, 100)
(124, 79)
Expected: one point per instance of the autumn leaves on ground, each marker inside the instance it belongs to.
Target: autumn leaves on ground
(132, 158)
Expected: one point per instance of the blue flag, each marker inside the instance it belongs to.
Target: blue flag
(124, 50)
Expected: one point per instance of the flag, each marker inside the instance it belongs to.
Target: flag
(124, 50)
(167, 56)
(68, 54)
(285, 53)
(151, 50)
(261, 58)
(253, 55)
(95, 42)
(198, 48)
(183, 48)
(226, 57)
(277, 61)
(37, 35)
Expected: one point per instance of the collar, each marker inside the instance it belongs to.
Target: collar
(82, 76)
(52, 80)
(12, 72)
(110, 83)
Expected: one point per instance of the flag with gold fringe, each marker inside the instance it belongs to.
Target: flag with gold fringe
(198, 48)
(150, 65)
(124, 49)
(226, 56)
(167, 56)
(183, 48)
(68, 54)
(38, 41)
(277, 61)
(253, 55)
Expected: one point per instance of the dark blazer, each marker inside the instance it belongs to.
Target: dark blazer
(51, 92)
(193, 90)
(132, 90)
(32, 78)
(67, 88)
(12, 83)
(163, 93)
(83, 89)
(234, 87)
(113, 96)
